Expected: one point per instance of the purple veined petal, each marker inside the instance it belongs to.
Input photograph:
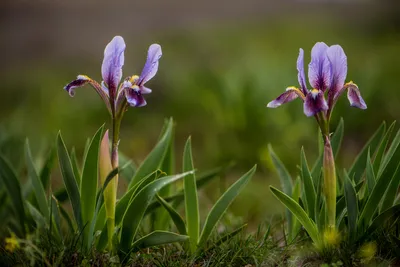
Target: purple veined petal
(319, 69)
(151, 66)
(134, 97)
(354, 96)
(338, 61)
(291, 94)
(300, 68)
(111, 69)
(314, 103)
(144, 90)
(82, 80)
(104, 88)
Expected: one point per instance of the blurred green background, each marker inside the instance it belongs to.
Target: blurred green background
(223, 61)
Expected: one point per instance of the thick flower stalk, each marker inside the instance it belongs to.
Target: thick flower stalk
(117, 96)
(327, 73)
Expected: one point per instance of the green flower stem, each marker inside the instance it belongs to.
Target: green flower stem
(329, 182)
(329, 170)
(110, 194)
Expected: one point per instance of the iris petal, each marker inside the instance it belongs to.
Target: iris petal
(291, 94)
(300, 68)
(151, 66)
(314, 103)
(319, 69)
(82, 80)
(134, 97)
(354, 96)
(338, 61)
(113, 61)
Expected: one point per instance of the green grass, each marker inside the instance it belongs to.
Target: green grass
(264, 247)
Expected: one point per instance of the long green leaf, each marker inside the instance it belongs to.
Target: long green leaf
(120, 210)
(158, 238)
(75, 167)
(380, 151)
(300, 214)
(202, 180)
(47, 167)
(295, 227)
(37, 184)
(36, 215)
(284, 177)
(88, 187)
(222, 205)
(352, 205)
(191, 200)
(154, 160)
(370, 175)
(69, 180)
(379, 221)
(136, 209)
(378, 192)
(389, 154)
(308, 185)
(13, 187)
(358, 166)
(176, 218)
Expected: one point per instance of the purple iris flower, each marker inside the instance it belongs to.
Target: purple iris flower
(131, 90)
(327, 74)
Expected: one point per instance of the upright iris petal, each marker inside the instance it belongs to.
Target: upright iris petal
(300, 68)
(111, 69)
(151, 66)
(134, 94)
(319, 69)
(338, 61)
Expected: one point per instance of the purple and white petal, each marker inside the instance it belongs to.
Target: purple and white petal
(111, 69)
(319, 69)
(151, 66)
(314, 103)
(144, 90)
(338, 61)
(134, 97)
(286, 97)
(300, 68)
(354, 96)
(80, 81)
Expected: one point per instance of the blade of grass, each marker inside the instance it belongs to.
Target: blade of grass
(222, 205)
(191, 199)
(37, 184)
(300, 214)
(136, 209)
(69, 180)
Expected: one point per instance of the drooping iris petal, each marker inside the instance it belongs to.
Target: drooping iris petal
(151, 66)
(291, 94)
(338, 61)
(82, 80)
(134, 97)
(314, 103)
(319, 69)
(111, 69)
(300, 68)
(354, 96)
